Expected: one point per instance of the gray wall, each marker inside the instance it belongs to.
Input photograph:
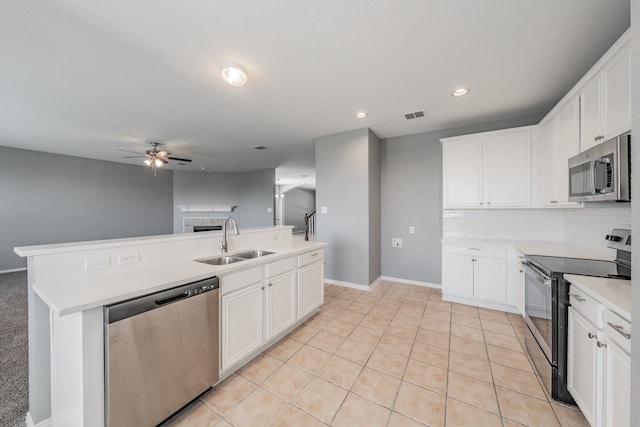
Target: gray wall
(298, 203)
(375, 182)
(252, 192)
(411, 195)
(342, 182)
(635, 204)
(49, 198)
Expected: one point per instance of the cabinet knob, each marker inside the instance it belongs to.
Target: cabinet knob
(269, 284)
(262, 288)
(591, 336)
(600, 344)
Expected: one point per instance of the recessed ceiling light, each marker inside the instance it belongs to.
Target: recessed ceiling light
(233, 75)
(362, 115)
(460, 92)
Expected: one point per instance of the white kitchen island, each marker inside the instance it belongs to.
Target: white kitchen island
(70, 283)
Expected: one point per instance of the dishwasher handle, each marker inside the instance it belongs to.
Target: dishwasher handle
(125, 309)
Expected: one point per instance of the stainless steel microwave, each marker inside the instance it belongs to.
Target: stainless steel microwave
(602, 173)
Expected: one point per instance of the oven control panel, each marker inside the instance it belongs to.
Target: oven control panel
(619, 239)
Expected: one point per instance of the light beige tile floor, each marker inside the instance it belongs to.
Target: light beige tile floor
(395, 356)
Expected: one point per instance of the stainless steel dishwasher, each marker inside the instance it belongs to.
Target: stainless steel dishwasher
(161, 352)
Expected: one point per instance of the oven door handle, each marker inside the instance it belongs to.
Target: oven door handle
(546, 280)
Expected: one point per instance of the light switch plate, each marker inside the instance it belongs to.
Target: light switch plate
(412, 229)
(324, 210)
(97, 263)
(128, 258)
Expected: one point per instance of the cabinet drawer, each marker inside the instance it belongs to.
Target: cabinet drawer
(276, 268)
(589, 308)
(476, 250)
(236, 281)
(310, 257)
(618, 329)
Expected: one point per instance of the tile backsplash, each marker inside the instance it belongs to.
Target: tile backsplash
(584, 227)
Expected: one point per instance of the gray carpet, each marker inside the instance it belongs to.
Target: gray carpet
(13, 349)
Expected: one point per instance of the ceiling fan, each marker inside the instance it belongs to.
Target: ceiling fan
(155, 158)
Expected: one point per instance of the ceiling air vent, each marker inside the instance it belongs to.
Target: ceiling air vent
(414, 115)
(259, 147)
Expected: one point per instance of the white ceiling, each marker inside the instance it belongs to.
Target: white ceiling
(86, 78)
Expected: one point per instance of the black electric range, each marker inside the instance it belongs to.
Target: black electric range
(547, 305)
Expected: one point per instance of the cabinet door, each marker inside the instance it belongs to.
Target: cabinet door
(507, 169)
(617, 393)
(462, 173)
(458, 275)
(568, 146)
(583, 365)
(617, 100)
(281, 303)
(241, 323)
(310, 288)
(591, 114)
(489, 281)
(549, 170)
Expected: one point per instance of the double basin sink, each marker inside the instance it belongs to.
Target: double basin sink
(231, 259)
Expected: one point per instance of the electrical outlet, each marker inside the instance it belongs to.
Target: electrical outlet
(324, 210)
(128, 258)
(396, 242)
(412, 229)
(97, 263)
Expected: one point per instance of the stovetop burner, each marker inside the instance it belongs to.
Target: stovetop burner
(584, 267)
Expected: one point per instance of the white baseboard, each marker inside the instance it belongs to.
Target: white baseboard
(29, 422)
(410, 282)
(13, 270)
(348, 284)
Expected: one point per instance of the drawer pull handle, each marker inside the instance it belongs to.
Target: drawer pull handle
(591, 336)
(601, 344)
(578, 297)
(475, 249)
(314, 254)
(620, 330)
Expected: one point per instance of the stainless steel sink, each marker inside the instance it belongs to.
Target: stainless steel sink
(230, 259)
(221, 260)
(253, 254)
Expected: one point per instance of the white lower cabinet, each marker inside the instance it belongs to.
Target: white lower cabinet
(241, 319)
(475, 274)
(585, 365)
(261, 304)
(599, 361)
(310, 282)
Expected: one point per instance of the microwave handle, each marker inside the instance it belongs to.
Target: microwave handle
(602, 160)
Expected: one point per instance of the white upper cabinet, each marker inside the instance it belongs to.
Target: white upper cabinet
(462, 168)
(605, 103)
(560, 141)
(487, 170)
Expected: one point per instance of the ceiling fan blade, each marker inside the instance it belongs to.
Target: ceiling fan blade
(179, 159)
(129, 151)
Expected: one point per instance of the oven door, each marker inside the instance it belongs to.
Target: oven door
(538, 303)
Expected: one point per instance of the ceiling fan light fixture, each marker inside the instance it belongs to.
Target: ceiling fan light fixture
(233, 75)
(158, 162)
(147, 162)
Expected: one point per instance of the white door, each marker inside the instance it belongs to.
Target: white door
(507, 169)
(310, 288)
(549, 169)
(617, 395)
(590, 114)
(462, 173)
(568, 146)
(281, 294)
(617, 99)
(241, 323)
(583, 361)
(490, 281)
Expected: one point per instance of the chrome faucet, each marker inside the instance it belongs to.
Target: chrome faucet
(223, 242)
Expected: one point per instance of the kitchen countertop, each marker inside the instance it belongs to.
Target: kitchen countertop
(107, 287)
(614, 293)
(535, 247)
